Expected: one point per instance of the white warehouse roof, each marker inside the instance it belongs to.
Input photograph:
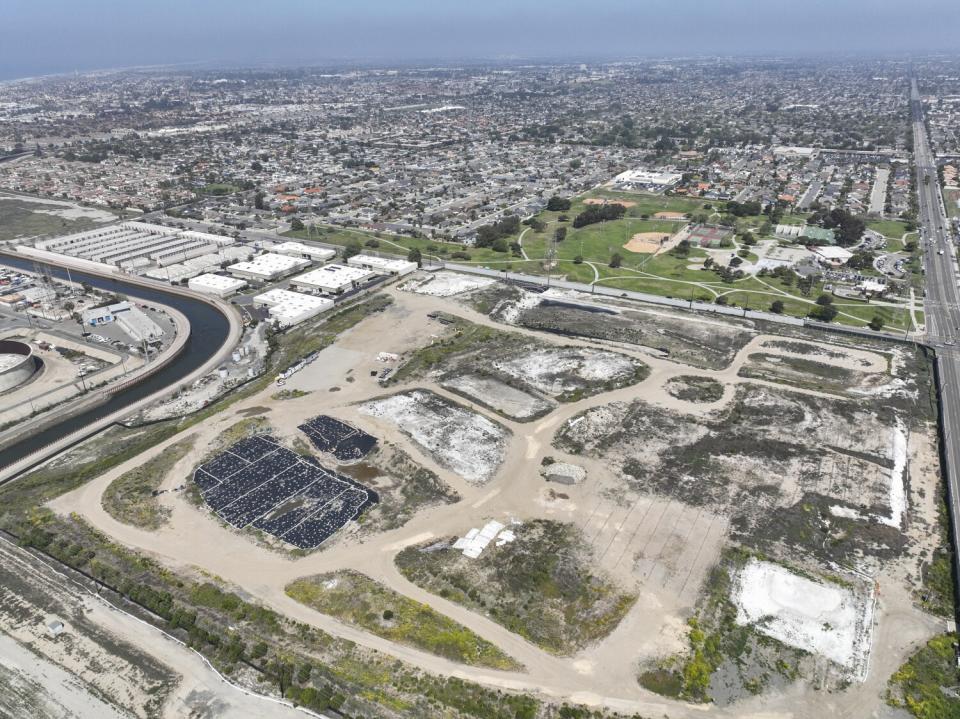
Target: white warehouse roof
(302, 250)
(290, 308)
(268, 266)
(382, 264)
(331, 278)
(221, 240)
(219, 285)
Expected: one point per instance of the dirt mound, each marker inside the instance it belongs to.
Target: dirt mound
(646, 242)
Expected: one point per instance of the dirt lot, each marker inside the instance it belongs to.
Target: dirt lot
(105, 664)
(513, 374)
(684, 458)
(646, 242)
(540, 585)
(463, 441)
(599, 201)
(705, 343)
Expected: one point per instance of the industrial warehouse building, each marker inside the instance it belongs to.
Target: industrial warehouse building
(268, 267)
(382, 266)
(131, 319)
(290, 308)
(199, 265)
(218, 285)
(298, 249)
(331, 279)
(133, 245)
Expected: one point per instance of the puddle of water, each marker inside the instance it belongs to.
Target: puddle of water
(360, 472)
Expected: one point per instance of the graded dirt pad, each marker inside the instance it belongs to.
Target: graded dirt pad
(541, 585)
(765, 454)
(848, 357)
(39, 689)
(499, 396)
(824, 376)
(446, 284)
(709, 343)
(646, 242)
(508, 372)
(599, 201)
(569, 373)
(823, 618)
(456, 438)
(669, 215)
(729, 657)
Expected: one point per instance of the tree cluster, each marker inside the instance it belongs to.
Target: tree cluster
(558, 204)
(861, 260)
(847, 227)
(599, 213)
(744, 209)
(488, 234)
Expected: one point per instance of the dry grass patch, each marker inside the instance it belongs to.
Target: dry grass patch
(541, 586)
(356, 599)
(130, 497)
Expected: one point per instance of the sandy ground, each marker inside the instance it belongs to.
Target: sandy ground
(57, 692)
(77, 671)
(598, 201)
(66, 210)
(661, 549)
(446, 284)
(649, 242)
(822, 618)
(669, 215)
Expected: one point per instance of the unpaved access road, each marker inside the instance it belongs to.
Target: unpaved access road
(27, 650)
(602, 674)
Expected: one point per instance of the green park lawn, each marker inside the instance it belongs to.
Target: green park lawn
(663, 274)
(894, 229)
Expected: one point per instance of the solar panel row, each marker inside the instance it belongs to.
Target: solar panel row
(338, 438)
(257, 481)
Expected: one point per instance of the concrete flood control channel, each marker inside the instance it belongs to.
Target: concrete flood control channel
(209, 330)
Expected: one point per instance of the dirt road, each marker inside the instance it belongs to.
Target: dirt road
(667, 585)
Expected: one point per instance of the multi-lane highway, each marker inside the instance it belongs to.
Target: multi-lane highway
(942, 307)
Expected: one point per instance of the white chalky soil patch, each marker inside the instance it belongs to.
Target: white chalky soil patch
(545, 369)
(824, 619)
(898, 493)
(447, 284)
(462, 441)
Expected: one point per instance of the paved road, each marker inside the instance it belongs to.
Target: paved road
(878, 195)
(942, 307)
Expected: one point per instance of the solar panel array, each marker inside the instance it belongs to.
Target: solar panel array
(259, 482)
(338, 438)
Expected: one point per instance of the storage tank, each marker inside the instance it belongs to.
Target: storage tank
(17, 364)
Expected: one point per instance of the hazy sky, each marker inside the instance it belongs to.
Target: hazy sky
(45, 36)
